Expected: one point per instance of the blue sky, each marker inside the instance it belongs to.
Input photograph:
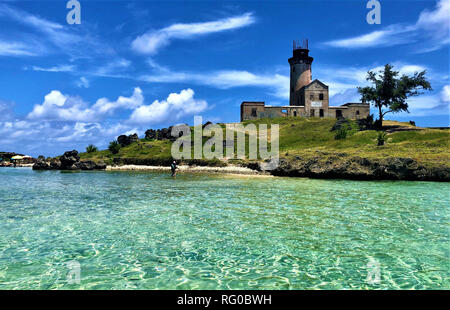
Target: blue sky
(130, 66)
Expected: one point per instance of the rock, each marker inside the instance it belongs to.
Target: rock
(68, 160)
(86, 165)
(127, 140)
(55, 164)
(41, 164)
(101, 165)
(150, 134)
(336, 167)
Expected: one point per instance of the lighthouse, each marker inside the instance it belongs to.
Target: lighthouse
(300, 64)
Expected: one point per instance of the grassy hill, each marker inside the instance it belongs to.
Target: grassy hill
(307, 137)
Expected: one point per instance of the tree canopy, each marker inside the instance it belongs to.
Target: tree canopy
(390, 92)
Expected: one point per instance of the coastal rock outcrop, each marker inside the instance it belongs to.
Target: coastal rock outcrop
(41, 164)
(161, 134)
(125, 140)
(68, 161)
(357, 168)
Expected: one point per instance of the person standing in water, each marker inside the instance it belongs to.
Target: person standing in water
(173, 167)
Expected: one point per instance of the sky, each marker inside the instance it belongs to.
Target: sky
(134, 65)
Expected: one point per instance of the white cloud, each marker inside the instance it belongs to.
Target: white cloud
(152, 41)
(39, 36)
(175, 106)
(60, 68)
(16, 49)
(6, 111)
(60, 107)
(431, 31)
(83, 82)
(104, 106)
(387, 37)
(112, 67)
(445, 93)
(276, 83)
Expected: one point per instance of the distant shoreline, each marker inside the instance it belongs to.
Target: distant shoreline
(191, 169)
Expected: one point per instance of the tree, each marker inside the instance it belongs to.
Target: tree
(390, 91)
(114, 147)
(91, 148)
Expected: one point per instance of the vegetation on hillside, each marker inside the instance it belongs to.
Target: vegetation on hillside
(306, 138)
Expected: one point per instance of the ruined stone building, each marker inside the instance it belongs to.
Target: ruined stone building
(307, 98)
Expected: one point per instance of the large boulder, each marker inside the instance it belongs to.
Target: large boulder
(55, 164)
(69, 159)
(127, 140)
(41, 164)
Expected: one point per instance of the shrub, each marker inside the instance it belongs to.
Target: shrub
(114, 147)
(91, 148)
(340, 134)
(381, 138)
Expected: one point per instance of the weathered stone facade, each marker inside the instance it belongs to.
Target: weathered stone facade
(307, 98)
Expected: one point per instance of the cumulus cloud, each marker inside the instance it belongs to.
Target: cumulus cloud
(175, 106)
(103, 106)
(431, 29)
(152, 41)
(60, 107)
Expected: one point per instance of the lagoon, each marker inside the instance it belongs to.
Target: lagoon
(145, 230)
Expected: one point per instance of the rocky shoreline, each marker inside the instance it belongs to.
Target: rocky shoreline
(326, 166)
(69, 161)
(357, 168)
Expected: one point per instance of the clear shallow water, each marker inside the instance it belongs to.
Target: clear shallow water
(133, 230)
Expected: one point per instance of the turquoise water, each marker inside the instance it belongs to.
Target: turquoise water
(131, 230)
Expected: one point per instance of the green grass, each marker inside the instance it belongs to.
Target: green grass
(311, 137)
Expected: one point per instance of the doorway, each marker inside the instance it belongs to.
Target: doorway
(321, 112)
(338, 113)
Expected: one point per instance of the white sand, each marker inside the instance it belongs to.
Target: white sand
(185, 168)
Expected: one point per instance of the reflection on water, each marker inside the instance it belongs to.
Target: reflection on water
(148, 231)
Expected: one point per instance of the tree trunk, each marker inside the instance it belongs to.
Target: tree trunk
(380, 118)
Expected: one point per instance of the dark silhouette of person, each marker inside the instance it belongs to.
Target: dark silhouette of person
(173, 167)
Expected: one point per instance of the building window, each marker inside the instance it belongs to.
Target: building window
(321, 112)
(293, 69)
(320, 96)
(292, 89)
(338, 113)
(295, 113)
(284, 111)
(254, 112)
(311, 112)
(311, 96)
(357, 112)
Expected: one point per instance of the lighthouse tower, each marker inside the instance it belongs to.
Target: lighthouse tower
(300, 63)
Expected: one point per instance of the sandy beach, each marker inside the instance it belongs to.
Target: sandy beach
(191, 169)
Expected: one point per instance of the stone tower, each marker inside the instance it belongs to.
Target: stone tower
(300, 63)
